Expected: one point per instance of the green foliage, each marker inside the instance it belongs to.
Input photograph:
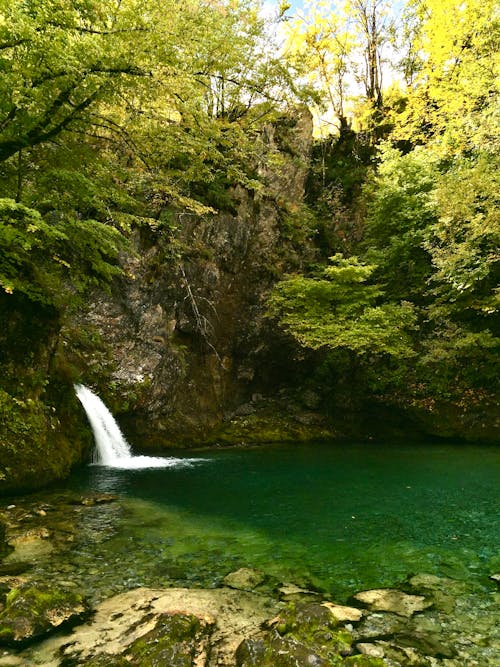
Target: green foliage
(341, 309)
(464, 243)
(47, 261)
(453, 93)
(400, 208)
(29, 261)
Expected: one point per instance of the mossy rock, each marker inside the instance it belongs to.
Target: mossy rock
(315, 625)
(174, 641)
(364, 661)
(280, 652)
(302, 634)
(38, 444)
(32, 612)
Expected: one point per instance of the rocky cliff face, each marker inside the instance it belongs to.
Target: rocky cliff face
(186, 356)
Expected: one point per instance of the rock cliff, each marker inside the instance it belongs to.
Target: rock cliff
(186, 355)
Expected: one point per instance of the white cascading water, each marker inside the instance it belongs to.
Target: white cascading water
(112, 449)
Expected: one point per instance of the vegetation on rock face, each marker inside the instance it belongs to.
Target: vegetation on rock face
(424, 215)
(123, 115)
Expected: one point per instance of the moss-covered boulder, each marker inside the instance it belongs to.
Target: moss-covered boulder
(177, 640)
(35, 447)
(306, 633)
(279, 652)
(32, 612)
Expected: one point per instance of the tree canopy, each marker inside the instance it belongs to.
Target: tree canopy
(116, 113)
(427, 211)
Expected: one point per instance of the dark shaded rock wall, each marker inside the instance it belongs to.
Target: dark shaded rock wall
(186, 349)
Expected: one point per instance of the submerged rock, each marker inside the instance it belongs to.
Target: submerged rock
(33, 611)
(496, 578)
(30, 546)
(244, 579)
(392, 600)
(291, 592)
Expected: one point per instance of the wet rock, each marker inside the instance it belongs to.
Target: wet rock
(392, 600)
(429, 582)
(425, 644)
(344, 614)
(123, 625)
(405, 656)
(97, 499)
(291, 592)
(371, 650)
(441, 590)
(277, 652)
(244, 579)
(14, 569)
(30, 546)
(379, 625)
(33, 611)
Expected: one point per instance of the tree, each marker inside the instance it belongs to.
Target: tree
(454, 88)
(400, 208)
(321, 45)
(342, 308)
(49, 263)
(165, 86)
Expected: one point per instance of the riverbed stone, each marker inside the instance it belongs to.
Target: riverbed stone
(364, 661)
(292, 592)
(30, 546)
(392, 600)
(371, 650)
(221, 617)
(378, 625)
(244, 579)
(344, 614)
(277, 652)
(32, 611)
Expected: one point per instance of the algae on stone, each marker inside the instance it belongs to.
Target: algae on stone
(33, 611)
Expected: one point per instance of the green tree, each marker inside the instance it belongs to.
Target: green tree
(453, 94)
(343, 308)
(400, 208)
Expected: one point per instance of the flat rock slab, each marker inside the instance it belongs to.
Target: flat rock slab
(344, 614)
(392, 600)
(126, 618)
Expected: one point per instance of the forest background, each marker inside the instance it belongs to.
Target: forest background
(118, 114)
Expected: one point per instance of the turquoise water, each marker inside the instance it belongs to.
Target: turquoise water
(336, 518)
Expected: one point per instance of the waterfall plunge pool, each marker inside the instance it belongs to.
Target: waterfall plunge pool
(337, 518)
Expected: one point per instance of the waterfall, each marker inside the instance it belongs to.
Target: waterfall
(112, 449)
